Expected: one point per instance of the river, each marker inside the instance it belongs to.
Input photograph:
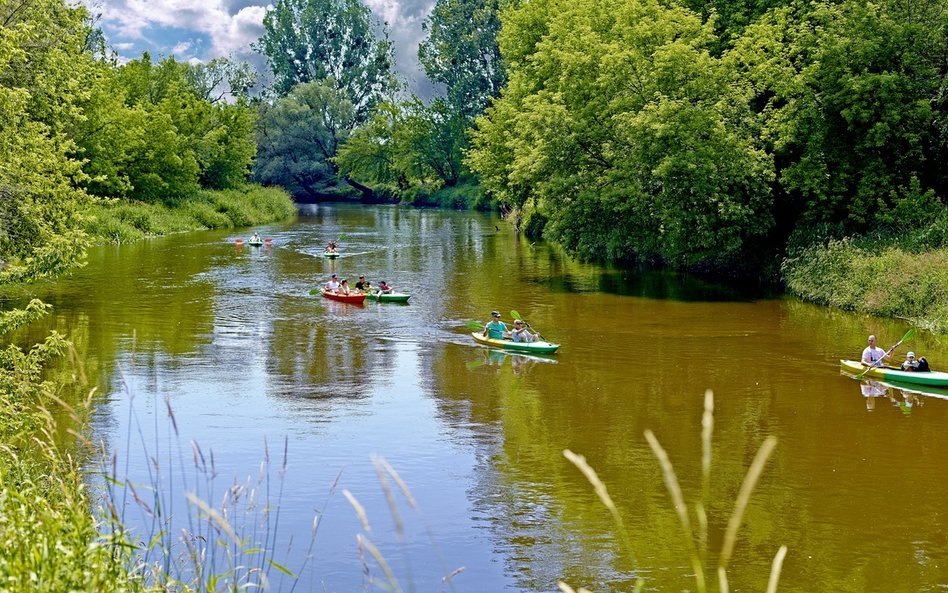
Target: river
(308, 403)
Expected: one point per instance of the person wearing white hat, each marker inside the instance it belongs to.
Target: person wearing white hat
(910, 363)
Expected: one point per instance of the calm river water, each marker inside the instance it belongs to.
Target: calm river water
(251, 365)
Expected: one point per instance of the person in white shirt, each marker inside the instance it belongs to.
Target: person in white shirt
(333, 284)
(872, 356)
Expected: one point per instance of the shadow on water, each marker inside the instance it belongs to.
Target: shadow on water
(659, 285)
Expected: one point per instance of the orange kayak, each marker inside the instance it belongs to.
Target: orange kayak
(352, 297)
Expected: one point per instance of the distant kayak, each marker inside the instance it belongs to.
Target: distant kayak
(389, 297)
(330, 254)
(931, 378)
(255, 243)
(353, 297)
(535, 347)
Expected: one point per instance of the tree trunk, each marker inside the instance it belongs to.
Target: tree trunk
(368, 194)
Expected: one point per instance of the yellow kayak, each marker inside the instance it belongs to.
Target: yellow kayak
(535, 347)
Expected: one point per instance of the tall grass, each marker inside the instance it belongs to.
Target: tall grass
(123, 222)
(694, 521)
(884, 280)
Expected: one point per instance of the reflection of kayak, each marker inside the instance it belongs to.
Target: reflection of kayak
(938, 392)
(353, 298)
(534, 347)
(933, 378)
(331, 254)
(389, 297)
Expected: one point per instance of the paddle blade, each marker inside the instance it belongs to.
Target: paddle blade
(908, 335)
(474, 325)
(342, 236)
(515, 314)
(315, 291)
(268, 240)
(238, 240)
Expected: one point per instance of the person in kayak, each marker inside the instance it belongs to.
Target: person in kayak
(519, 333)
(331, 247)
(385, 287)
(256, 238)
(910, 363)
(343, 287)
(496, 328)
(333, 284)
(872, 355)
(362, 285)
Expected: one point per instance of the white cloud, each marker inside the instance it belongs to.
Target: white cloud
(181, 48)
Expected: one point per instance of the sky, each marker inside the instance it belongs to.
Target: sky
(200, 30)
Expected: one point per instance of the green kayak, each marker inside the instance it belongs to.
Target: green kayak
(931, 378)
(330, 254)
(389, 297)
(535, 347)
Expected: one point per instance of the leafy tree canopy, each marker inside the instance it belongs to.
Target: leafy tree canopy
(317, 40)
(461, 52)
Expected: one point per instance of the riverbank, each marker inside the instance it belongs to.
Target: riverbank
(124, 222)
(902, 275)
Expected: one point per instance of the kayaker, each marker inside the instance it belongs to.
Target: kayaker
(255, 238)
(496, 328)
(331, 247)
(910, 363)
(519, 333)
(384, 287)
(362, 285)
(872, 356)
(343, 287)
(333, 284)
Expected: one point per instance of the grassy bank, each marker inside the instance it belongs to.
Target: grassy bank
(897, 274)
(123, 222)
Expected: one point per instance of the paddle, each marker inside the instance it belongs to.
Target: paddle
(516, 315)
(908, 336)
(316, 291)
(474, 325)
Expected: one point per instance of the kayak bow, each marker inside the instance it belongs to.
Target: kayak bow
(931, 378)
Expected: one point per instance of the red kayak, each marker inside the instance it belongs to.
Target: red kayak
(352, 297)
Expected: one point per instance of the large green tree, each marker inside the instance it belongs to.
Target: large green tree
(298, 136)
(461, 52)
(338, 40)
(45, 74)
(620, 125)
(853, 99)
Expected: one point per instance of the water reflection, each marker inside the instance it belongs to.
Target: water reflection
(242, 350)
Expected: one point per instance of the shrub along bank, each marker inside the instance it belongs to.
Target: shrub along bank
(122, 221)
(898, 274)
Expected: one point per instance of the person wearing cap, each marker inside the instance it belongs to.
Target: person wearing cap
(362, 285)
(496, 328)
(333, 284)
(910, 363)
(519, 332)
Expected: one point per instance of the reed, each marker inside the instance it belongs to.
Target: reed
(696, 539)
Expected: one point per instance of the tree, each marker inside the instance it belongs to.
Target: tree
(300, 134)
(44, 76)
(461, 52)
(630, 136)
(320, 40)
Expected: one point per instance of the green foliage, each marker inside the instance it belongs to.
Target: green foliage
(122, 222)
(150, 132)
(299, 135)
(328, 40)
(627, 133)
(461, 52)
(876, 278)
(42, 81)
(849, 97)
